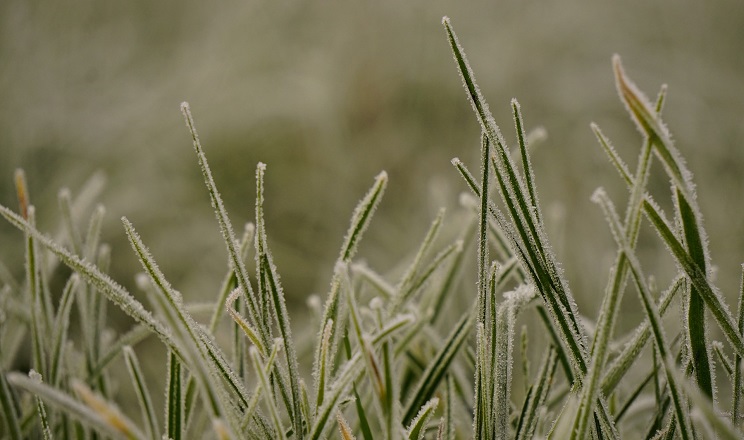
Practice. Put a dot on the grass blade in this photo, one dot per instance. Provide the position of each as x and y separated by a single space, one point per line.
174 406
10 410
143 393
418 425
438 366
697 277
735 416
96 414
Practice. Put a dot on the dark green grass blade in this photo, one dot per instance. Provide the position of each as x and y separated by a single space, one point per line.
438 367
174 404
536 396
697 276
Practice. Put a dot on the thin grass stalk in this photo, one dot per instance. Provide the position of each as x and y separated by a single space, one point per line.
276 295
61 325
438 366
64 200
652 313
632 350
204 359
143 393
407 285
482 391
228 235
536 396
360 220
268 397
735 416
11 412
174 406
697 277
46 431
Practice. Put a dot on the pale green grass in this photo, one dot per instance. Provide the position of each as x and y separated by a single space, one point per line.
429 354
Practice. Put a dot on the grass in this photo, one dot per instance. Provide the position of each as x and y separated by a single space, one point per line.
392 358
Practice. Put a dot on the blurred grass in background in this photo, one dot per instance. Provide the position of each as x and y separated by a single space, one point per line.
330 93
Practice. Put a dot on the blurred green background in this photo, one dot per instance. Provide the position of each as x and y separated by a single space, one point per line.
330 93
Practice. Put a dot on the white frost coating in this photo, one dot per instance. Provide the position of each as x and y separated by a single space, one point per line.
34 375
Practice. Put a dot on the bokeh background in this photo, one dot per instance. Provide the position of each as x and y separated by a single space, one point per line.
330 93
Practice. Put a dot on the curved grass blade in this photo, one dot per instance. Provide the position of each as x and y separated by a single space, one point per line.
418 425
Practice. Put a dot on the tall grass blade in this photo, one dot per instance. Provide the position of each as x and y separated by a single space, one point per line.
697 276
652 313
268 397
205 360
360 220
269 282
228 235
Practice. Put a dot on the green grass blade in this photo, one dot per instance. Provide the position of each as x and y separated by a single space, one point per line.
268 397
705 411
143 393
174 402
653 316
360 220
438 366
362 216
229 281
269 279
407 284
41 410
697 276
632 350
61 326
735 416
204 359
536 396
10 410
696 305
418 425
73 234
228 235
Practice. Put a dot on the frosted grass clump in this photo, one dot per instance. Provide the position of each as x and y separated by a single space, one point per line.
428 354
